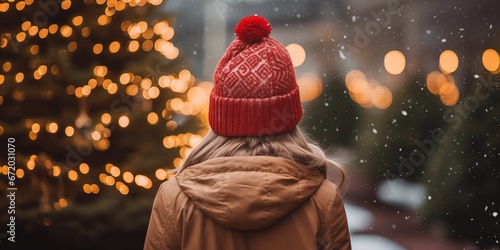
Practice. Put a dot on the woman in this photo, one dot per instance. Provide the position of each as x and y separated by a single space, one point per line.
254 182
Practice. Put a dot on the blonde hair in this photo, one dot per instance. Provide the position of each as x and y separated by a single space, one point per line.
293 145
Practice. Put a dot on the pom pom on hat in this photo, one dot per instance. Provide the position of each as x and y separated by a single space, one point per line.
252 29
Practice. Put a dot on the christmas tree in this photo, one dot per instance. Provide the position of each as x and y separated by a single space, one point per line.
98 110
463 183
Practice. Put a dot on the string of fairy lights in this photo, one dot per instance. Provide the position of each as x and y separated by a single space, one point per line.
370 93
143 37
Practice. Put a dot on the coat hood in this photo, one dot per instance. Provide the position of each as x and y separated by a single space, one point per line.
248 193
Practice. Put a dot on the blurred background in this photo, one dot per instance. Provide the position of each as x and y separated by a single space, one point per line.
102 98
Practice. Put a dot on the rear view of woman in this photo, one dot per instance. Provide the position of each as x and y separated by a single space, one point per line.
255 182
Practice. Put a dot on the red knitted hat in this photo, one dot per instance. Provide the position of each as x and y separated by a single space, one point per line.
255 92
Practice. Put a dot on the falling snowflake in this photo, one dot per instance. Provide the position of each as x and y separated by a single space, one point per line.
341 54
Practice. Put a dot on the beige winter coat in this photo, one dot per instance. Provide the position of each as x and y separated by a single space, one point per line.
248 203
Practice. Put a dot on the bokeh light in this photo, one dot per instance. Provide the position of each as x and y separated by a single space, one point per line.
394 62
297 54
491 61
310 86
448 61
367 92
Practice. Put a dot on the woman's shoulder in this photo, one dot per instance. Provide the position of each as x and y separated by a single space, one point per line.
327 189
169 191
327 197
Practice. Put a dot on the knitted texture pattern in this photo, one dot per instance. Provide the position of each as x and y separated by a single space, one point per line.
255 91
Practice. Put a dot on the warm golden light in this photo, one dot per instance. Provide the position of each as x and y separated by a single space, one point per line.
66 31
108 167
53 28
114 171
20 173
353 75
123 189
73 175
30 165
133 46
69 131
310 86
86 90
5 169
102 177
153 92
33 30
141 180
19 77
109 180
4 7
394 62
125 78
114 47
35 127
367 92
128 177
66 4
381 97
63 202
77 21
97 48
42 69
84 168
449 94
155 2
178 162
448 61
434 82
21 36
103 20
56 171
92 83
161 174
179 86
152 118
52 127
43 33
100 70
26 25
123 121
20 5
32 135
491 61
109 11
184 75
7 66
297 54
358 85
86 188
94 188
106 118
